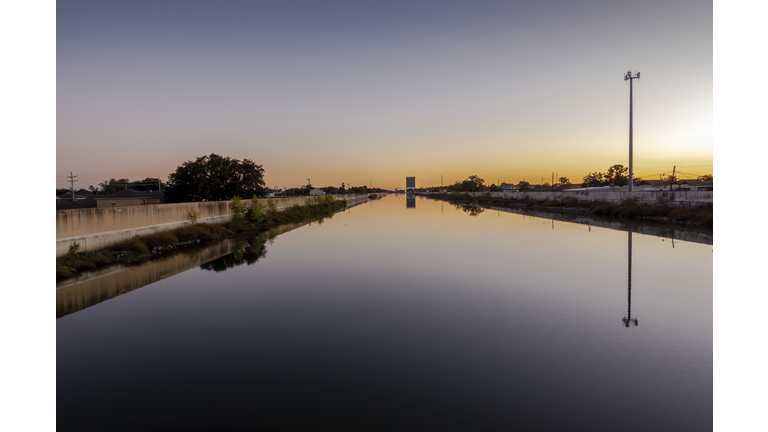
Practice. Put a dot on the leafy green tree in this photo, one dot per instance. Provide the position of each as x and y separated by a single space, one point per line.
214 178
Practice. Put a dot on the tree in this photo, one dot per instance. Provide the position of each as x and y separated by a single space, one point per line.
214 178
148 184
617 175
706 177
593 180
524 185
473 183
564 181
111 186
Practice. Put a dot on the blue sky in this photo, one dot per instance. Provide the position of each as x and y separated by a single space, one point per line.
369 92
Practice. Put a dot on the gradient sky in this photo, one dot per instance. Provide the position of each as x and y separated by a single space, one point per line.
370 91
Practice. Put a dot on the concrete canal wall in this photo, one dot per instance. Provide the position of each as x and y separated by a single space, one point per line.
96 287
679 198
96 228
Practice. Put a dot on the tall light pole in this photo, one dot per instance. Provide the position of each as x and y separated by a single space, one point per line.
628 76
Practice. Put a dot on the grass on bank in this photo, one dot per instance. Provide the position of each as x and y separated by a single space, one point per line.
701 214
246 218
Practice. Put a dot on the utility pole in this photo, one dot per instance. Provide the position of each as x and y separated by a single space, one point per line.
72 186
672 180
628 76
553 182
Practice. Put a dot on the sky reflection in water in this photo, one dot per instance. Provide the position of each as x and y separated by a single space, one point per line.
407 315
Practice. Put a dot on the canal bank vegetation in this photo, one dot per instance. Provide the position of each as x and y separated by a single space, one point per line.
252 218
661 211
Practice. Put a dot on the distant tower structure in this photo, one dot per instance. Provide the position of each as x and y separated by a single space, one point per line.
410 183
628 77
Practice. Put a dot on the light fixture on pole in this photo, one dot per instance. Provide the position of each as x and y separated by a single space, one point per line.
628 76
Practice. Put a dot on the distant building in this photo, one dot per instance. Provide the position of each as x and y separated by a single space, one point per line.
410 183
315 192
129 197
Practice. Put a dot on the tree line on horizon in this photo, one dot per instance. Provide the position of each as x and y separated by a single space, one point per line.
616 175
213 178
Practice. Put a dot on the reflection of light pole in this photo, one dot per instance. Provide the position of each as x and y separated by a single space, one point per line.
628 76
628 319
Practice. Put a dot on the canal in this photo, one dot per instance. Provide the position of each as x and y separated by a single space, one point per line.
401 313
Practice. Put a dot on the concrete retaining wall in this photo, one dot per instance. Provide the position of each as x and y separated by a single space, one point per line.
96 228
93 288
680 198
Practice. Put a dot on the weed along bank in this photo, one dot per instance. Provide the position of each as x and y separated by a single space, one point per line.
97 228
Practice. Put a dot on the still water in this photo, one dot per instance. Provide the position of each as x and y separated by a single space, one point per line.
397 314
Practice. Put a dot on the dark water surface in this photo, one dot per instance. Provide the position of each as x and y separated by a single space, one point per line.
401 314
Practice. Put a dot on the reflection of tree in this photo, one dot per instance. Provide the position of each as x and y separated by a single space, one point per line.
244 251
469 209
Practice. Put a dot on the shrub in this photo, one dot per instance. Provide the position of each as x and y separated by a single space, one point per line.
271 206
630 200
131 245
215 230
603 209
73 248
62 272
329 198
163 238
315 200
193 216
237 208
257 210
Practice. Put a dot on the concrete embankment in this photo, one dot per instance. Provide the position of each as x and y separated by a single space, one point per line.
96 228
692 234
95 287
674 198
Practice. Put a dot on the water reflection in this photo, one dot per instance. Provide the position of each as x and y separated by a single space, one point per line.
392 317
627 320
695 234
244 251
410 201
470 209
97 287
